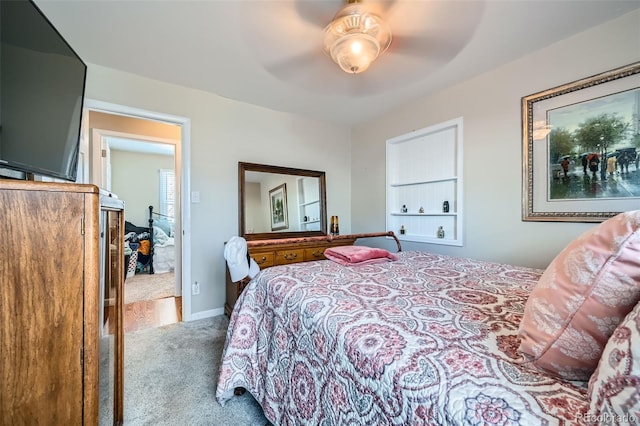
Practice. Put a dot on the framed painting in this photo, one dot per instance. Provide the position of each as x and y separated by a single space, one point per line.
278 203
581 148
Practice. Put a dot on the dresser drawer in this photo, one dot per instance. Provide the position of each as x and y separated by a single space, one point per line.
314 253
289 256
264 259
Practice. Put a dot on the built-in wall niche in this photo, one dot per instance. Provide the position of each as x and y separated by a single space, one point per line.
309 203
424 184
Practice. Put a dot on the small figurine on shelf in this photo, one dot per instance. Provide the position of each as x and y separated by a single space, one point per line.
404 208
445 207
402 230
440 232
421 210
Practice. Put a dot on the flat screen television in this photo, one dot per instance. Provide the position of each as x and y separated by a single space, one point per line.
42 82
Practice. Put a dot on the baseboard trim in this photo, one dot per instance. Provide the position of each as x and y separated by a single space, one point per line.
206 314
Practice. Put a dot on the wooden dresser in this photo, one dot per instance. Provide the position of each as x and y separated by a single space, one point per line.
61 277
268 253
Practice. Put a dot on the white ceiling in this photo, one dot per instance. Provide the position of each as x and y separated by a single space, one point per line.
269 53
140 146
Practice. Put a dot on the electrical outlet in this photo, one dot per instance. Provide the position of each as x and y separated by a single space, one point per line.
195 288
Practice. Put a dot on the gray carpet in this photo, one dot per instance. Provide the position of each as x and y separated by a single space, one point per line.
149 287
171 374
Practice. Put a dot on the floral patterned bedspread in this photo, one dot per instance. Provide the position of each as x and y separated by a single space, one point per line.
425 340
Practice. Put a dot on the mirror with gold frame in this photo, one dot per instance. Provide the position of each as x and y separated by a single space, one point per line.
280 202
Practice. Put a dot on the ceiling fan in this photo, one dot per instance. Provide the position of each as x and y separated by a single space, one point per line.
288 39
355 37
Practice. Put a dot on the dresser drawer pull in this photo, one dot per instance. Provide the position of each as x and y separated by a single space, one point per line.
261 261
318 253
290 256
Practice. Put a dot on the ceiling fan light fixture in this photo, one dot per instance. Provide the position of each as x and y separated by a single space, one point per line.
354 53
355 38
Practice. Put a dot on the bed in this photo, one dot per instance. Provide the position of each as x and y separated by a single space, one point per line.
151 249
426 339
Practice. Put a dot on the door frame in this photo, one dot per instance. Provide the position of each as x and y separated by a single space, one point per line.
98 143
182 159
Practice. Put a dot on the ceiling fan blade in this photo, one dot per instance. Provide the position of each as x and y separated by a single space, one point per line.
380 7
298 66
433 30
308 69
426 47
318 13
321 13
299 69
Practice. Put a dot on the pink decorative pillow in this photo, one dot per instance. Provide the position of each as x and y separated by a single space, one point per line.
614 388
582 297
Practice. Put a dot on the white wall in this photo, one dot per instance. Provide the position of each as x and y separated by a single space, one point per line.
135 179
255 220
224 132
490 105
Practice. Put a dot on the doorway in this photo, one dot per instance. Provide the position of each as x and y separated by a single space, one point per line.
141 171
115 130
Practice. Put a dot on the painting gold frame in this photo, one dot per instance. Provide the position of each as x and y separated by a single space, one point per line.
574 102
278 205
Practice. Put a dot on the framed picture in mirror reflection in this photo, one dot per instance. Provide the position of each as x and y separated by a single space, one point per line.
278 203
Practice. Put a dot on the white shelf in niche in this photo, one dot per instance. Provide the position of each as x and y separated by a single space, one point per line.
423 214
422 182
431 240
308 208
424 169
